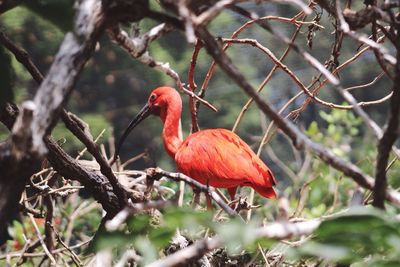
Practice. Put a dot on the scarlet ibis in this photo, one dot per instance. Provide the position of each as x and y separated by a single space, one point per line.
217 157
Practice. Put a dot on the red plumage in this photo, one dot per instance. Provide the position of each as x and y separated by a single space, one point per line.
217 157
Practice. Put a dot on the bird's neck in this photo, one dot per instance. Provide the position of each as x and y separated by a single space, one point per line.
171 119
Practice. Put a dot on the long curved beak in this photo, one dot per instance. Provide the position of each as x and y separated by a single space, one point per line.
143 114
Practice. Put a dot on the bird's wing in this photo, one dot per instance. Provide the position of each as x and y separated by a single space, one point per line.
220 157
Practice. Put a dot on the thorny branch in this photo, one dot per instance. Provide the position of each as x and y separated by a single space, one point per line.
361 38
157 173
192 87
277 231
80 129
69 168
137 48
299 140
42 113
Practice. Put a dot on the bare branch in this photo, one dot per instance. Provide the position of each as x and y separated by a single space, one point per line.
97 184
306 9
41 254
388 138
267 78
300 140
137 48
156 173
187 16
133 208
22 56
277 231
39 235
211 13
53 92
305 55
192 86
368 121
73 123
344 26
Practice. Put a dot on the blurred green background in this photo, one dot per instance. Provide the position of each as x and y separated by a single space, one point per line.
113 86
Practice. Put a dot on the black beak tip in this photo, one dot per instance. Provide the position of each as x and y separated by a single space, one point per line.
143 114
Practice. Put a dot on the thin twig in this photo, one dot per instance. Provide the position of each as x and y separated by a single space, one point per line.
41 254
277 231
192 86
74 257
300 140
139 52
39 235
156 173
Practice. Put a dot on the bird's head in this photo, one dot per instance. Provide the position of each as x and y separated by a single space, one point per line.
158 103
161 99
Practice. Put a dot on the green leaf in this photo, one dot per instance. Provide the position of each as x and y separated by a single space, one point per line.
377 261
16 231
160 237
328 252
237 235
357 228
109 240
360 233
139 223
146 249
327 117
313 129
187 218
232 235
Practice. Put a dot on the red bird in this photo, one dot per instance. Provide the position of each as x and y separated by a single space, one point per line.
217 157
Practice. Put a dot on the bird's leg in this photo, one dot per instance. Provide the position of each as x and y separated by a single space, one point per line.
232 193
209 202
196 197
208 198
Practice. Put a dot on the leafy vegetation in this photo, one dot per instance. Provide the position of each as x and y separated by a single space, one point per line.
113 87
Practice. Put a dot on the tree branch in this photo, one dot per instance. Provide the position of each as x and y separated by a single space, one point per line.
71 121
76 126
22 56
53 92
157 173
388 138
300 140
97 184
137 48
276 231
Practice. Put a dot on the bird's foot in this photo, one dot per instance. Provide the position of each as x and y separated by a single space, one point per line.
209 202
153 174
240 204
196 198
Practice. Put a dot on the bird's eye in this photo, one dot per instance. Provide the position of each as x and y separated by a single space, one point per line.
153 97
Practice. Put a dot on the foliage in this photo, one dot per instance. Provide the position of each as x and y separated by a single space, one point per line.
361 236
113 87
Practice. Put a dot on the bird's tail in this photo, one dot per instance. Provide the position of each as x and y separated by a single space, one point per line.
267 192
